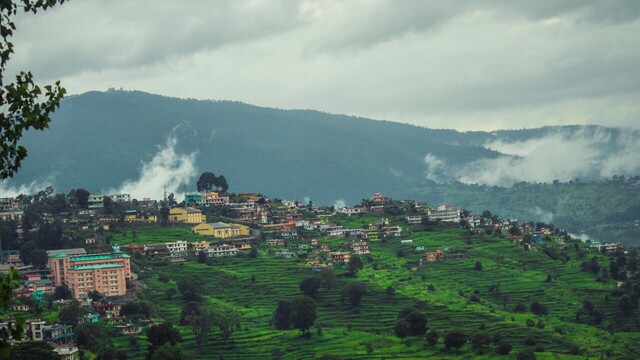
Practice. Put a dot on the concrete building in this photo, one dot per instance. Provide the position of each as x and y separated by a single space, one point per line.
105 273
187 215
221 230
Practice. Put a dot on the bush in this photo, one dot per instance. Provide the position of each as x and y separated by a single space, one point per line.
504 347
526 355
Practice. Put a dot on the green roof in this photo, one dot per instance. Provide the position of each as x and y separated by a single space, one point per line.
98 266
97 257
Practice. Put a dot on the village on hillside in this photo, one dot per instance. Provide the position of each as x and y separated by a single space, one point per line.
79 248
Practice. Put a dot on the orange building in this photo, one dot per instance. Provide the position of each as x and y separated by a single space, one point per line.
105 273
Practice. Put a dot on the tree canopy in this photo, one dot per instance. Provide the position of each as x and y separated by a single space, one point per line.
209 180
24 106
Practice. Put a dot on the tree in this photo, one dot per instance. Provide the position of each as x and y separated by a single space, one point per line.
478 266
355 292
8 283
190 310
355 265
303 313
161 334
33 350
136 310
310 286
70 314
281 318
201 326
62 292
539 308
79 198
208 180
328 278
226 320
526 354
23 106
411 322
455 339
390 291
167 352
191 287
432 338
480 341
504 347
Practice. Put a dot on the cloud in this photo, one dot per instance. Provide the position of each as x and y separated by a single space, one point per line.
467 65
340 204
33 187
166 169
589 153
544 216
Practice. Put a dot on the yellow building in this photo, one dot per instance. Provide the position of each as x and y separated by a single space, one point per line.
221 230
187 215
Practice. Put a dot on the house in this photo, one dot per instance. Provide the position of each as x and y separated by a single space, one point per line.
446 213
200 246
378 198
414 219
223 250
120 198
96 201
221 230
128 329
13 215
340 257
359 247
178 250
435 256
275 242
187 215
285 254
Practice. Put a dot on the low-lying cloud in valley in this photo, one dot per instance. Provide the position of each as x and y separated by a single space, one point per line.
587 153
167 169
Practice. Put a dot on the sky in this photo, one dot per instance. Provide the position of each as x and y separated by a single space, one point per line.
465 65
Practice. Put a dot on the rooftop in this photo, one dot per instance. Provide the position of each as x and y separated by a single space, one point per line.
97 266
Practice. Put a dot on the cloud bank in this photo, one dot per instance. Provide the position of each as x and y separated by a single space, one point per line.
167 169
563 156
468 65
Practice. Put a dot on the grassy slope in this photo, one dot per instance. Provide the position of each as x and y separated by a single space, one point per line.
521 276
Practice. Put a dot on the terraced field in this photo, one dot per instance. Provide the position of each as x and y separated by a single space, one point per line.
509 276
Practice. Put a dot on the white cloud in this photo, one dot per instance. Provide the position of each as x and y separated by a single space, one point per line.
28 189
562 156
167 169
340 204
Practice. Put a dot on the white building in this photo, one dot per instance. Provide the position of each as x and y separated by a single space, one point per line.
445 212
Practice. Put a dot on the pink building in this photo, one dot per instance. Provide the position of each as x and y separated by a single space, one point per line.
105 273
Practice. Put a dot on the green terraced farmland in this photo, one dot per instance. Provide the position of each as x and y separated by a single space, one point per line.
452 294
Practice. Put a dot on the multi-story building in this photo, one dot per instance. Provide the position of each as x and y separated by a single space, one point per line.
445 212
121 198
96 201
221 230
221 251
105 273
187 215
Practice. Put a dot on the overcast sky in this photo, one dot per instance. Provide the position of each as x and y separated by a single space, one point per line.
467 65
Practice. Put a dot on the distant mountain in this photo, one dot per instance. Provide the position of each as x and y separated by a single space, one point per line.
101 140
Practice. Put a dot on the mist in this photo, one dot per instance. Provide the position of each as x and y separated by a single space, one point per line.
559 155
167 169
